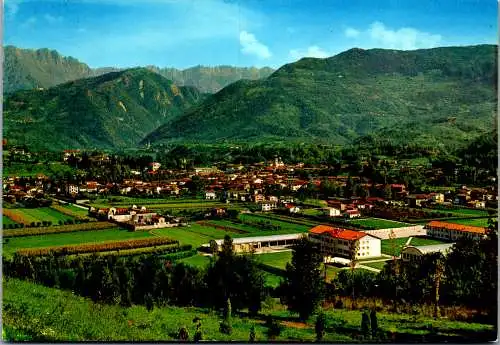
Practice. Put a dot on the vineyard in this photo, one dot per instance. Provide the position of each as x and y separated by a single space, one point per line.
57 230
170 251
98 247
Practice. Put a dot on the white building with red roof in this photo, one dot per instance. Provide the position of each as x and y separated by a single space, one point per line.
452 232
338 242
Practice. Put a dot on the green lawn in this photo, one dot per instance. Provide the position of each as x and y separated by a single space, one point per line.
397 243
6 220
422 241
70 318
378 223
196 260
12 244
378 265
474 222
312 212
278 260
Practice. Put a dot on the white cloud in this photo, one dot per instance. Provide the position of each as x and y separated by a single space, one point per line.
404 38
251 46
351 32
51 19
11 8
380 36
312 51
29 22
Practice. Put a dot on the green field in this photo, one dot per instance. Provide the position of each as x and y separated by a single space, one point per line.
398 243
474 222
6 220
77 211
16 243
422 241
378 223
277 260
460 212
41 214
196 260
289 227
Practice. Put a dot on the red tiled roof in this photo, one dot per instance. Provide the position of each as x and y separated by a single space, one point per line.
459 227
342 234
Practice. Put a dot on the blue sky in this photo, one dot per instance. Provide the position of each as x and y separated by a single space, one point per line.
184 33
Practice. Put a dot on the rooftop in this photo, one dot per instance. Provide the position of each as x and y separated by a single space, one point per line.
453 226
338 232
433 248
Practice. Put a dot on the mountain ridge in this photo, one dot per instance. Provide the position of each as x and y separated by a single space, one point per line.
26 69
359 92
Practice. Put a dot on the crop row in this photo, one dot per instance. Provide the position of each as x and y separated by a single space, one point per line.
168 249
97 247
16 217
57 229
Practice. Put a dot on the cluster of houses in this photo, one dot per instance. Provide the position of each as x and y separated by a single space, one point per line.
135 218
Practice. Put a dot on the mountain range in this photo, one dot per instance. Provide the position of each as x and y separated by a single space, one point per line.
441 97
26 69
434 97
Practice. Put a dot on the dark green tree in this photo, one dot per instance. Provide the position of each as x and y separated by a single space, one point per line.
303 288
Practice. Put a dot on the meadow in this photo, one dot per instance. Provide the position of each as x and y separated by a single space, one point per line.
67 317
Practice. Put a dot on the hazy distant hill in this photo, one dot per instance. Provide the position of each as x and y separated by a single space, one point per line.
109 111
212 79
431 96
27 69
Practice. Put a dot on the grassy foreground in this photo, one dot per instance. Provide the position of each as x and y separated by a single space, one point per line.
37 313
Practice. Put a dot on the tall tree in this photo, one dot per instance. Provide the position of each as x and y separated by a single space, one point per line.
303 288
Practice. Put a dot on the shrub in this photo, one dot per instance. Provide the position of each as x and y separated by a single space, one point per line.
365 324
183 334
320 326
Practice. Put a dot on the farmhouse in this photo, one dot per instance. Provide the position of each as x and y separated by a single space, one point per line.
412 253
453 232
332 211
352 214
340 242
259 243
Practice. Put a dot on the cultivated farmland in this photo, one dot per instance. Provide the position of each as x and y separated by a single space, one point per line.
13 244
